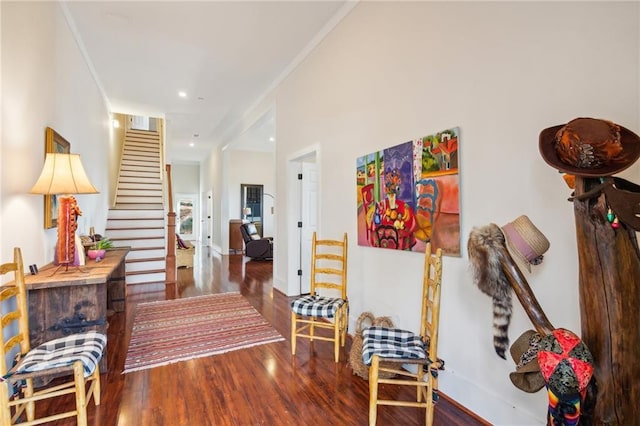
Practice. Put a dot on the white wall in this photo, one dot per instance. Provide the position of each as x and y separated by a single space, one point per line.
502 72
46 82
210 180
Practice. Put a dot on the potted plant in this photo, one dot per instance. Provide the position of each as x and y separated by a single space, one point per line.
99 248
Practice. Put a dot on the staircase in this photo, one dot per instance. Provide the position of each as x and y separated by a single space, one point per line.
138 218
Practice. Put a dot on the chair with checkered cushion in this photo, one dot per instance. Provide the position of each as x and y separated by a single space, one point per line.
329 310
389 349
77 355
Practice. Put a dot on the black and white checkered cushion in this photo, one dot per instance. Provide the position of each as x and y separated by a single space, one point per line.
86 347
317 306
391 343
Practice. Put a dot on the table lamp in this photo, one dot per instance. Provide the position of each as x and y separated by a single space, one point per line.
246 211
63 175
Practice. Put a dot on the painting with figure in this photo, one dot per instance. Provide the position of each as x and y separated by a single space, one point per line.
408 195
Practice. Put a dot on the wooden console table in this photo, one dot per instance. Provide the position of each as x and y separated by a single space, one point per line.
76 300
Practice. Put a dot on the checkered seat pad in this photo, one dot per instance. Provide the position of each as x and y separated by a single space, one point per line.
86 347
391 343
317 306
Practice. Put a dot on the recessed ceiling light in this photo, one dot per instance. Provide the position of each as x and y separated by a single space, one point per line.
192 144
182 94
272 139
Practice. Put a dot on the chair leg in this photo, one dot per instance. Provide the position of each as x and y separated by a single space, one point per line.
420 378
81 397
293 333
344 325
373 390
5 411
30 407
336 336
96 386
428 418
433 387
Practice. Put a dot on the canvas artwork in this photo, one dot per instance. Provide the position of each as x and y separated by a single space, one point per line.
409 195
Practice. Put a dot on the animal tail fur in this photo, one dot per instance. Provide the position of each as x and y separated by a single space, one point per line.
488 275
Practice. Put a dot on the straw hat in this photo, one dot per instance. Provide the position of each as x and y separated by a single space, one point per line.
524 353
525 243
589 147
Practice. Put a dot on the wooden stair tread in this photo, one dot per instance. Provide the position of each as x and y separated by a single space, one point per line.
135 228
146 259
146 248
135 238
149 271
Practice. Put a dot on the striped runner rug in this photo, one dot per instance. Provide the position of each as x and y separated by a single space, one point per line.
170 331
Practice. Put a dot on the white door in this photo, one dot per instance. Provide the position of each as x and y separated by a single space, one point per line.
309 218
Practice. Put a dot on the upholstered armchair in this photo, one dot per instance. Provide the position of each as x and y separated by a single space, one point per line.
256 246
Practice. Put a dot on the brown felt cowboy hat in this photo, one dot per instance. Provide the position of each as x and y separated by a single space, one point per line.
589 147
524 352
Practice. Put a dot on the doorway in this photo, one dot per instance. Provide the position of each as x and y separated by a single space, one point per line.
304 187
251 204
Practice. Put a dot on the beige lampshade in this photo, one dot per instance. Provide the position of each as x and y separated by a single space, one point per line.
63 174
247 211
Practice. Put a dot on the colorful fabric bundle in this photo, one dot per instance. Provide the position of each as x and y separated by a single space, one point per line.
567 367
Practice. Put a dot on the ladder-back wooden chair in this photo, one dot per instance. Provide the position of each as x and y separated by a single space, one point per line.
327 306
395 347
77 355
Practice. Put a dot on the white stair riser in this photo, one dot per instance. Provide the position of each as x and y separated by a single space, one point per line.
140 185
140 154
138 163
132 223
139 180
139 172
135 233
131 168
143 278
136 214
145 254
152 242
123 199
140 192
145 266
138 206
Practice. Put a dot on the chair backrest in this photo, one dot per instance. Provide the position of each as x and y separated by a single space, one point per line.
432 281
14 328
249 232
329 265
427 198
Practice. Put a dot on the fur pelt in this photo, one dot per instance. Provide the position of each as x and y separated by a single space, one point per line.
490 279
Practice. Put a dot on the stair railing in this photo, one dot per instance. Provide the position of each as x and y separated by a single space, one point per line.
171 271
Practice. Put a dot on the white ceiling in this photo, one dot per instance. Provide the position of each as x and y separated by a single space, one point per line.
225 55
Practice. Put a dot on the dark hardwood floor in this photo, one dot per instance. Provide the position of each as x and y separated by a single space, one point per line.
263 385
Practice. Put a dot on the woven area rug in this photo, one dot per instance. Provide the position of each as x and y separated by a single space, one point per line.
170 331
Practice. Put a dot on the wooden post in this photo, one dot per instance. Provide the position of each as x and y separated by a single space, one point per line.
170 268
609 290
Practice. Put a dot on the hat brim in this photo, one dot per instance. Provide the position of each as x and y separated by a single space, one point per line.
528 378
630 147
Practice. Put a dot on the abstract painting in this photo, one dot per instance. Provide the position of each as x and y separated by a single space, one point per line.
409 195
